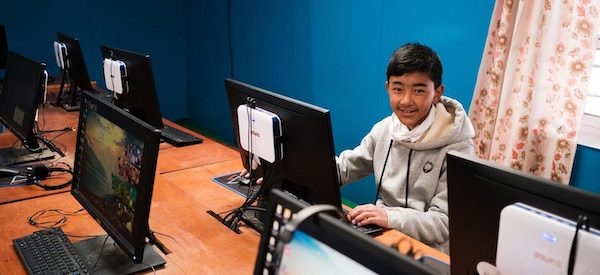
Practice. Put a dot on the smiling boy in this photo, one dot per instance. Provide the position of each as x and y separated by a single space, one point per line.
407 150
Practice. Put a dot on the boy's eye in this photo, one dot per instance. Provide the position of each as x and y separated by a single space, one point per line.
397 89
418 91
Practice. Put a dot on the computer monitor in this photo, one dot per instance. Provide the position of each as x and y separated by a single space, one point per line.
307 168
76 70
324 245
478 190
115 163
19 100
3 47
139 96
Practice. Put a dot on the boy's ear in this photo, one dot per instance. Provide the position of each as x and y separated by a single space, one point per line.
438 93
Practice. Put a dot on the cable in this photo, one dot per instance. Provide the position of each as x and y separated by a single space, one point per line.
64 216
407 178
153 270
581 221
99 255
382 172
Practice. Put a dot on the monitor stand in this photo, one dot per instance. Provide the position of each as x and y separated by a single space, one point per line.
113 260
70 102
19 155
251 217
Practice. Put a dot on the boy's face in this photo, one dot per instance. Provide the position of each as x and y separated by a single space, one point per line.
411 96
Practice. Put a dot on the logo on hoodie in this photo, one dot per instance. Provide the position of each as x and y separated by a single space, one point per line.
428 167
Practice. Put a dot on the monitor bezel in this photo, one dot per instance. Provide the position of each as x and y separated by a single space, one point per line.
3 47
478 190
339 236
135 245
26 132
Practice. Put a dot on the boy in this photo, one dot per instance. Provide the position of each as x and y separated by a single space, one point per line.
407 150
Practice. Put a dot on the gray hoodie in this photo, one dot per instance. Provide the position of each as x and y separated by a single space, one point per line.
426 216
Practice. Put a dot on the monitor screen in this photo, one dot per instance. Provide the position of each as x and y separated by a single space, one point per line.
307 169
478 191
141 98
78 73
115 162
3 47
324 245
19 100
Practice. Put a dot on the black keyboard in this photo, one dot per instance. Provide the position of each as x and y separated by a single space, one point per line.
369 229
49 251
178 137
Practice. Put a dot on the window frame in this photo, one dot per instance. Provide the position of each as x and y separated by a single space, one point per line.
589 128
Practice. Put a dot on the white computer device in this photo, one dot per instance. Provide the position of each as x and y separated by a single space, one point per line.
60 53
532 241
115 76
260 132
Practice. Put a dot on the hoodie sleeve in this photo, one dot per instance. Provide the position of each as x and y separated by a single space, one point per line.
357 163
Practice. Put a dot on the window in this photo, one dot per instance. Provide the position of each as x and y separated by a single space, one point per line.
589 132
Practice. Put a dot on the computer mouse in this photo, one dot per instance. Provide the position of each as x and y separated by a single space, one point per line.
8 172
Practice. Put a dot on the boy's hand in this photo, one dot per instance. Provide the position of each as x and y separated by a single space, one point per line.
368 214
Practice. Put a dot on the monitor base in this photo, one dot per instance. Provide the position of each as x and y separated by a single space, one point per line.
19 155
113 260
71 107
251 217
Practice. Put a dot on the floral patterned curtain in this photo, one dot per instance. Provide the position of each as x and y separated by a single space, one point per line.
532 84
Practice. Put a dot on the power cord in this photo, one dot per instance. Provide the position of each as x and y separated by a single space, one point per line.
40 220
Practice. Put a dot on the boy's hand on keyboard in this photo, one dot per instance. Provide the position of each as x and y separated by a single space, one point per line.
368 214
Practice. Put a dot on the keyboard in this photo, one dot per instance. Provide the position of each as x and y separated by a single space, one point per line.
49 251
369 229
177 137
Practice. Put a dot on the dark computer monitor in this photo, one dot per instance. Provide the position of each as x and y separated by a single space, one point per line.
19 100
3 47
322 244
307 169
115 163
76 70
140 97
478 190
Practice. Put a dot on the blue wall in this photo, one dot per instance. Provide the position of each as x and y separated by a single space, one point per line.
158 30
584 174
332 54
329 53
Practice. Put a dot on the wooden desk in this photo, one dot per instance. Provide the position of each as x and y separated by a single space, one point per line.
50 118
183 193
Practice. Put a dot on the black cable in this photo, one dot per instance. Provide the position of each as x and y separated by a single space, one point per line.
168 236
382 171
99 255
66 129
407 178
581 221
64 216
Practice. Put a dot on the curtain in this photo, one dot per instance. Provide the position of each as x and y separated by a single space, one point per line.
532 83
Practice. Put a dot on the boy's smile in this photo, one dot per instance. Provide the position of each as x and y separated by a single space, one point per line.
411 96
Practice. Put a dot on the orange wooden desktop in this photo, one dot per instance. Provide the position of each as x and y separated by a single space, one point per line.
183 193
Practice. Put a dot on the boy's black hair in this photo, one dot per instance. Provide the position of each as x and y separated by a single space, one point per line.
414 57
